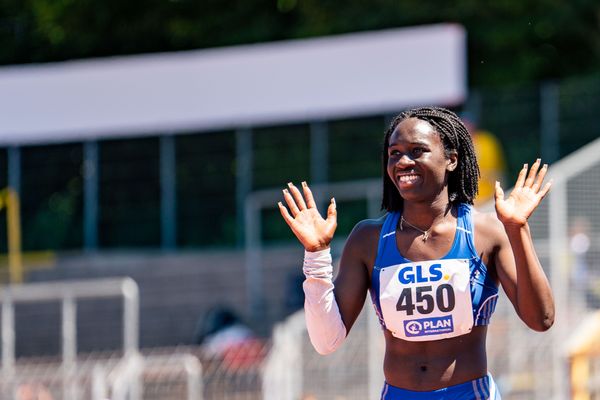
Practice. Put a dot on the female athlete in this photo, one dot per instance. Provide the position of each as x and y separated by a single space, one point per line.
432 264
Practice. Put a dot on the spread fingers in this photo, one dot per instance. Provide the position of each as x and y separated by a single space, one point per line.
285 214
521 177
297 196
532 173
290 202
310 200
540 178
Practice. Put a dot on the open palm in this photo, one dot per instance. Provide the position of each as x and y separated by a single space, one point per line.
303 218
525 196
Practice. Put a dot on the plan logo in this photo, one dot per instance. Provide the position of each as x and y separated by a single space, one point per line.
413 328
428 326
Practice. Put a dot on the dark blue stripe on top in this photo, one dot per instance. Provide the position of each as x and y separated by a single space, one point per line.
477 389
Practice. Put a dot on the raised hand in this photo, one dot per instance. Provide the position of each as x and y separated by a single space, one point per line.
314 232
525 196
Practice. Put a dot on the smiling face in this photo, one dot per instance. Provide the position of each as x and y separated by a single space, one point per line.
418 164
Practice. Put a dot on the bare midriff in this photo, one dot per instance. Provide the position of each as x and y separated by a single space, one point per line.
431 365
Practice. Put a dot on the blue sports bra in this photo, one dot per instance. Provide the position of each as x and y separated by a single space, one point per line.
432 299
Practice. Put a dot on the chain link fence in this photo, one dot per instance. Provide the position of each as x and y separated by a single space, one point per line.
141 203
525 364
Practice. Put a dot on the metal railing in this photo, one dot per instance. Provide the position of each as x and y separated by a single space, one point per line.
67 293
126 375
168 375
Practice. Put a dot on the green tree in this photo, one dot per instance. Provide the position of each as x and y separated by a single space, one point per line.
509 41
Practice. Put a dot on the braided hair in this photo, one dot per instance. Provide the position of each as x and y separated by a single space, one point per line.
463 181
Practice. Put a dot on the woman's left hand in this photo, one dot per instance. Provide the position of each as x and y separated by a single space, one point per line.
525 196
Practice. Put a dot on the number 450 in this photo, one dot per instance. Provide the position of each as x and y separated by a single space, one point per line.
424 302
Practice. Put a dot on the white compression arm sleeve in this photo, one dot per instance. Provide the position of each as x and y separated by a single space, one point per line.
323 320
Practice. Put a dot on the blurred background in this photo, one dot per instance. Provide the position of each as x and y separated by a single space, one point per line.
144 146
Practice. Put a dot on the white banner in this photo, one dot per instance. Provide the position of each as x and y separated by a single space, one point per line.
280 82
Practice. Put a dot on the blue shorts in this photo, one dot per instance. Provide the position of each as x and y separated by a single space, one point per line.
478 389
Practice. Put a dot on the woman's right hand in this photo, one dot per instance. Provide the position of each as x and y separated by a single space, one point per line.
314 232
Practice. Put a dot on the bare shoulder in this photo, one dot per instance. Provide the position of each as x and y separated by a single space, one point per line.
364 238
366 231
488 226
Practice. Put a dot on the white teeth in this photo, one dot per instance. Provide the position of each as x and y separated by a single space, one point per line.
408 178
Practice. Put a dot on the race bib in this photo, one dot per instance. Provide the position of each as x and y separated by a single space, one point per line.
426 300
